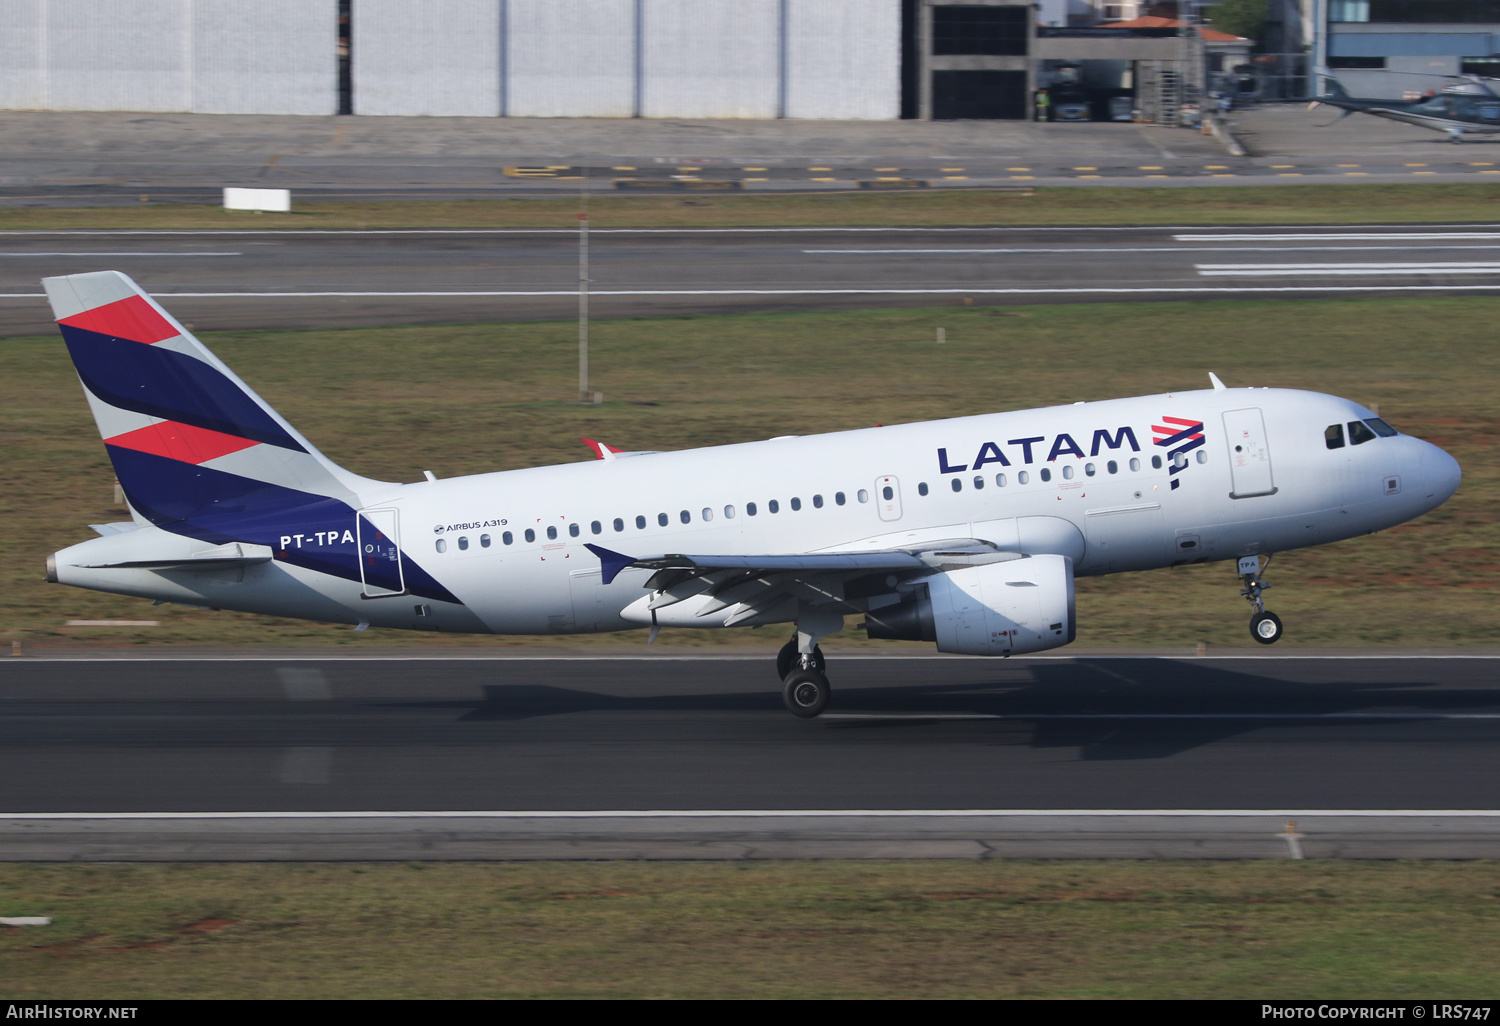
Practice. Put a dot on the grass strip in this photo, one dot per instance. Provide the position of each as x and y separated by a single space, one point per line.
464 399
1237 205
1068 929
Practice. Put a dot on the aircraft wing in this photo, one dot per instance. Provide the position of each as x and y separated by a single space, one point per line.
742 588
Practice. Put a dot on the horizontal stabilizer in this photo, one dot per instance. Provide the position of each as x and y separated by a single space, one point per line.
222 557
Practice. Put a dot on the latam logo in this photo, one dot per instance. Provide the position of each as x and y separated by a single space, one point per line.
1032 447
1179 436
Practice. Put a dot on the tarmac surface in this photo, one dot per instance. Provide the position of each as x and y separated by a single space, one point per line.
81 159
248 280
665 757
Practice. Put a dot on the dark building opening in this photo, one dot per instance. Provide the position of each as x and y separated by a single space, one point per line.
346 64
979 94
911 62
986 31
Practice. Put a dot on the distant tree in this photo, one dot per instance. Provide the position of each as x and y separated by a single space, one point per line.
1238 17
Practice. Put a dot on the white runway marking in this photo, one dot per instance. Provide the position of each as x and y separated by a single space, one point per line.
1283 270
124 254
1411 236
1142 249
597 293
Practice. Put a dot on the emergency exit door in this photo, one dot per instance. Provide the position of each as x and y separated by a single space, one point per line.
378 531
1249 454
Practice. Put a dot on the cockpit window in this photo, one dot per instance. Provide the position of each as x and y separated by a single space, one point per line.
1382 429
1359 434
1334 436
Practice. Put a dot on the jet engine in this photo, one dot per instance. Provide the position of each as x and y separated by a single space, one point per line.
1021 605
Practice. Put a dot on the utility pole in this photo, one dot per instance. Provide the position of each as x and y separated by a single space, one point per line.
583 295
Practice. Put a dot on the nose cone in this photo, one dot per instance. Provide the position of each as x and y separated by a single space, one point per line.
1441 474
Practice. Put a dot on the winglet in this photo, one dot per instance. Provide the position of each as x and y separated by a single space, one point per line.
601 450
612 562
1218 385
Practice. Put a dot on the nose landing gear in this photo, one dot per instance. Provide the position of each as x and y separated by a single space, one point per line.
1265 627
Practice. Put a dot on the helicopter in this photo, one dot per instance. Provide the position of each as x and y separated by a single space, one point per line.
1466 106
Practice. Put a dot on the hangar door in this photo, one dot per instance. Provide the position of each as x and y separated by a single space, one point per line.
992 95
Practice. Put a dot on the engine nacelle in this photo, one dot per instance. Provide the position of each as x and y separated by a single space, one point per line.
1022 605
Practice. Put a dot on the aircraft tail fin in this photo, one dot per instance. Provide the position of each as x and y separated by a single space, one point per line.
1332 90
188 438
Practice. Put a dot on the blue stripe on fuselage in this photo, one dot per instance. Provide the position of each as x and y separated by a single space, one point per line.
218 507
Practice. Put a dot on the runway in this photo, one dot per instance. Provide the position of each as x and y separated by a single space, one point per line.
249 279
661 757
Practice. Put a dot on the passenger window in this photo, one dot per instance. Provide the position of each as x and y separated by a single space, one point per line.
1088 470
773 506
463 544
796 503
1180 460
484 541
1156 463
838 498
1022 477
442 546
685 517
1333 436
573 530
708 514
889 493
862 495
1359 433
640 523
1202 456
728 512
507 537
1112 467
1135 464
530 535
921 489
662 519
1068 473
552 534
999 480
618 525
957 485
1045 473
1382 429
750 509
817 502
978 481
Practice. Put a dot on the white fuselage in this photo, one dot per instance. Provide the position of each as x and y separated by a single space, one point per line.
1274 485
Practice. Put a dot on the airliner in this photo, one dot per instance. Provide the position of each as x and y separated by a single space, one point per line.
967 532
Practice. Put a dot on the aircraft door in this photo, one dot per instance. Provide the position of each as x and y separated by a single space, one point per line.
587 589
378 531
1249 454
888 498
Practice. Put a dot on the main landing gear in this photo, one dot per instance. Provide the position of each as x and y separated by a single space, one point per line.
800 662
1265 626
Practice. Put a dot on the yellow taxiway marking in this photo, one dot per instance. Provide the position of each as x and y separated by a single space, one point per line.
1085 169
1346 165
888 178
1216 167
754 169
956 178
1424 172
1490 172
1289 174
953 169
1023 176
1356 172
622 169
894 169
1152 167
757 179
1018 169
1481 163
1090 176
1230 175
1415 165
820 169
1283 165
1158 176
825 179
